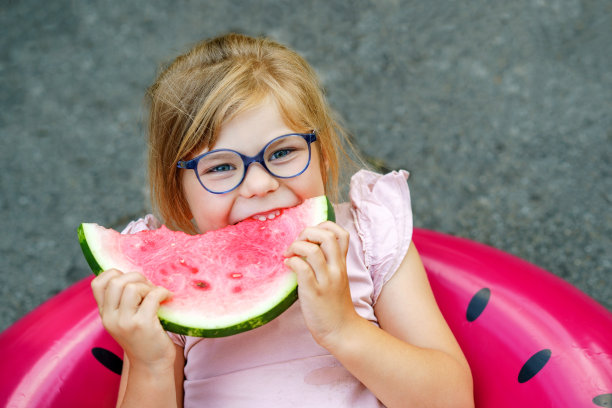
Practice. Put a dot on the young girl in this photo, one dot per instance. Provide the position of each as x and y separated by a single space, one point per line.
366 329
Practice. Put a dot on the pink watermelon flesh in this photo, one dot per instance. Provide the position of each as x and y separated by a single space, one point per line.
223 282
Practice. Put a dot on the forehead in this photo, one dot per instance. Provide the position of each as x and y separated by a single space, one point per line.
252 128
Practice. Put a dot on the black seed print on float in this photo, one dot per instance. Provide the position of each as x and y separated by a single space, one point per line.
478 304
108 359
603 400
534 365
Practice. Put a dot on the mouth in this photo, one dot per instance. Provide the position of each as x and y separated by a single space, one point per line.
270 215
261 212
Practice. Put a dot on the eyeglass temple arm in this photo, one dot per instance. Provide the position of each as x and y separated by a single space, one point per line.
185 164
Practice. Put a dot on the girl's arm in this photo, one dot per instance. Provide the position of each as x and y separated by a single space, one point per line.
413 359
140 385
128 306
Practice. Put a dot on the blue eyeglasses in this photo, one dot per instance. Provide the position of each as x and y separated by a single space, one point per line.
223 170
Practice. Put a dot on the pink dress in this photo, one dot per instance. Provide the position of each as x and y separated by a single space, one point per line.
279 364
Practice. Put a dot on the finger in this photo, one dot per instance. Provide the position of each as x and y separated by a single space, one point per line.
305 275
115 287
133 295
313 255
151 302
342 235
100 282
327 242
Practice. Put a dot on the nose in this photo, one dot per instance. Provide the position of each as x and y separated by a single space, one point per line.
257 182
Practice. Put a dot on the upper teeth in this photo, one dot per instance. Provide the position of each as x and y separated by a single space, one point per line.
269 216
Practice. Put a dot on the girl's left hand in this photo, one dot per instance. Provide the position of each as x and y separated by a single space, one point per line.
318 257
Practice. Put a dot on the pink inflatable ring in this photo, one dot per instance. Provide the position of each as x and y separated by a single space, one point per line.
531 338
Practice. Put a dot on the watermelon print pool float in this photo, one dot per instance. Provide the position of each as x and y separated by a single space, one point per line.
223 282
532 340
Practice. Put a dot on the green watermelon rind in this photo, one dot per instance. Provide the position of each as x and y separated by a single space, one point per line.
246 325
89 256
169 324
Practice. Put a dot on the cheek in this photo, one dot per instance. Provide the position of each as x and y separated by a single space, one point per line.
190 191
319 172
195 195
206 217
209 211
310 183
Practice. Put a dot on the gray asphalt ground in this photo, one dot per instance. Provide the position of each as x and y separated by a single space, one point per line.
501 110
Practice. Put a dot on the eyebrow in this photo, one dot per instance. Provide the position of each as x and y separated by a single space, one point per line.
291 132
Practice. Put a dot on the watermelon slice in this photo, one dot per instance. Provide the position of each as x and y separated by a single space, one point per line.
224 282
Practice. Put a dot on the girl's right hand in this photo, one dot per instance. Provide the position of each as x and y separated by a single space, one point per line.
128 305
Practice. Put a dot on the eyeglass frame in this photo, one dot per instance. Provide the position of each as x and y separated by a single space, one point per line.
248 160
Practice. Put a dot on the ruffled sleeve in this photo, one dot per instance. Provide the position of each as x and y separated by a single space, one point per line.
383 220
149 222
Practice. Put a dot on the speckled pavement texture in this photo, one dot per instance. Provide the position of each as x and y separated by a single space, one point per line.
502 112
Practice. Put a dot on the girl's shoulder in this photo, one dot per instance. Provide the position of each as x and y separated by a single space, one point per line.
370 190
381 205
381 216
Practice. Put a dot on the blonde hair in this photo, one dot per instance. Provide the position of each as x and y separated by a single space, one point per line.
216 80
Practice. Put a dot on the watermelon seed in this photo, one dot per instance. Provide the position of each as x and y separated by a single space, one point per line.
236 275
191 269
201 284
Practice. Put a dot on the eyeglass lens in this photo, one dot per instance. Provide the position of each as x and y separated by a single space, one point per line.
223 170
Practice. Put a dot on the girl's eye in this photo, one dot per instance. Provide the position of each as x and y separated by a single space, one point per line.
279 154
220 168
